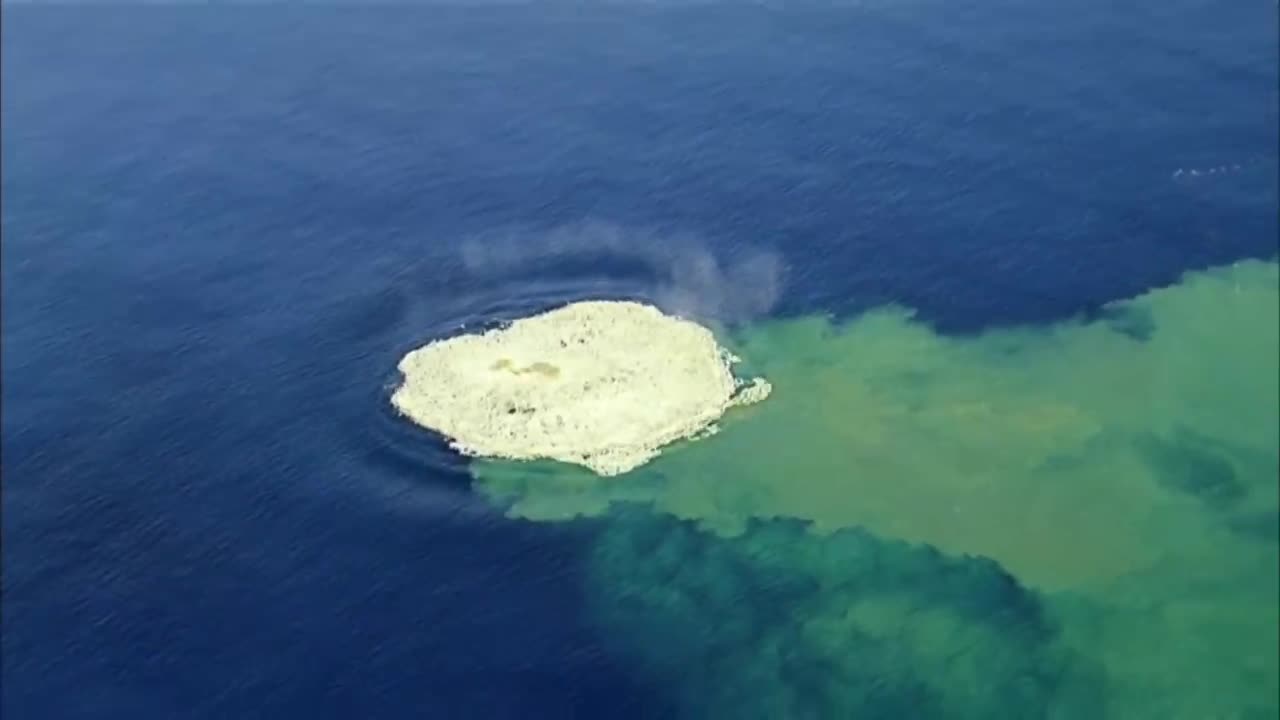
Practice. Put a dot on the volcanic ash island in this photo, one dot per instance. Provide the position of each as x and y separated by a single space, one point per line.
604 384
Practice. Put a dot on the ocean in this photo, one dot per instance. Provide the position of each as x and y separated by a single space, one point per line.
1010 265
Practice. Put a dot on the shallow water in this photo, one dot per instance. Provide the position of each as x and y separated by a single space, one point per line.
1011 267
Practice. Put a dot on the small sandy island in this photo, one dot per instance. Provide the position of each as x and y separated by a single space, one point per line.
604 384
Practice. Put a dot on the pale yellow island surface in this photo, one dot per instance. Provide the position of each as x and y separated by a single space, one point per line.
603 384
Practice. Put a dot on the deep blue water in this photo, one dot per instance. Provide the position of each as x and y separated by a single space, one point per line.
222 226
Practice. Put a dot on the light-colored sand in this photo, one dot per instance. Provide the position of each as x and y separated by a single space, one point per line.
603 384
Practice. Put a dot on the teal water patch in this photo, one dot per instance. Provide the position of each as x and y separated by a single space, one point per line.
779 623
1120 472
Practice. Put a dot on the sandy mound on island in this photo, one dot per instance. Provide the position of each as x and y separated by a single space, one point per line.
603 384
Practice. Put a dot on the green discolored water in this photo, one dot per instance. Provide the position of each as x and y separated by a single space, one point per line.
1070 521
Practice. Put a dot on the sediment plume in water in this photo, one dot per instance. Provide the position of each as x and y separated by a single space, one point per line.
780 623
1121 470
602 384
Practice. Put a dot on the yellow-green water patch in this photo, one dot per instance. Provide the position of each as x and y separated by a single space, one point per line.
1072 454
1123 469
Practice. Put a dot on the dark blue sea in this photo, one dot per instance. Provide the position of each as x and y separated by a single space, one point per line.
224 224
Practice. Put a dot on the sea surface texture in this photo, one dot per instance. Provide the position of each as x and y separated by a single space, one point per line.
1010 265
